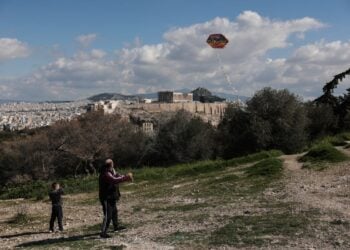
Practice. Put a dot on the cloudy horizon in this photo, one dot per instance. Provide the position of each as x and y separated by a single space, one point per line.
263 51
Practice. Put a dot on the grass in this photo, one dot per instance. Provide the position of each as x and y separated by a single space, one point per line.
39 189
20 218
281 224
182 207
324 153
244 183
259 230
199 168
224 206
270 167
180 237
335 140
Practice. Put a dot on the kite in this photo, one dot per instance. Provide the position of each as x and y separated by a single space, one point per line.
217 41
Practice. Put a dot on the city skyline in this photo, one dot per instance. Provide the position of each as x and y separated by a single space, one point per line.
68 50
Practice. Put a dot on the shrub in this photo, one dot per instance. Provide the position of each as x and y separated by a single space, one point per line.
324 152
21 217
336 140
39 189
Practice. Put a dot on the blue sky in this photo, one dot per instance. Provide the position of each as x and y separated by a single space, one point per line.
45 34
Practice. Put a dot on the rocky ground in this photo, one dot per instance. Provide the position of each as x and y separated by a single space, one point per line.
304 209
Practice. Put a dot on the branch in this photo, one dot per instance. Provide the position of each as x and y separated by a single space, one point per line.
329 86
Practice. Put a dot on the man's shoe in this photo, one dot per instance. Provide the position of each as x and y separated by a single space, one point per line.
104 235
119 228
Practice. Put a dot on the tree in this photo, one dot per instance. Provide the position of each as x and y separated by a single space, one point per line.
278 120
340 105
273 119
235 135
93 137
182 138
322 120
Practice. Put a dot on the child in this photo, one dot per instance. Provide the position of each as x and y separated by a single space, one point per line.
56 212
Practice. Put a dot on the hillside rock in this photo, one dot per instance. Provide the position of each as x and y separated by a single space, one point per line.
204 95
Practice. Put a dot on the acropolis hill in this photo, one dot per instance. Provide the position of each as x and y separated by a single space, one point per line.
146 113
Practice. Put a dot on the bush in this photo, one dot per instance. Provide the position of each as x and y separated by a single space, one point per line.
21 217
40 189
345 136
324 153
337 140
278 120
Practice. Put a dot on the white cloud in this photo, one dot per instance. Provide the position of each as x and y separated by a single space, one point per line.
184 60
11 48
86 40
335 52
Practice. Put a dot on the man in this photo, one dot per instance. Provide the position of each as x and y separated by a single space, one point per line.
109 195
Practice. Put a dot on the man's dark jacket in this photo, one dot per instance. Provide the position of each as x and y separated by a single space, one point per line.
108 185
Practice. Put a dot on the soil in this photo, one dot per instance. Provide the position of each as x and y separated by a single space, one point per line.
326 191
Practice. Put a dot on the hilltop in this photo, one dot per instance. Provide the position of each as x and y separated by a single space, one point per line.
213 96
265 200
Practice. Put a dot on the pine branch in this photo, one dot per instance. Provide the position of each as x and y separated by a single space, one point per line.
330 86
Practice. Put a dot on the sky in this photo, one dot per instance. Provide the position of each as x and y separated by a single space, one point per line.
67 50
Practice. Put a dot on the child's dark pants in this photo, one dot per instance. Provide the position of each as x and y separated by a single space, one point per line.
56 213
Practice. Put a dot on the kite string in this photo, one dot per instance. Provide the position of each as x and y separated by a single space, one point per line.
228 79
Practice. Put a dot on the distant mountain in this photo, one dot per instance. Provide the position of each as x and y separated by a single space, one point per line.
148 96
113 96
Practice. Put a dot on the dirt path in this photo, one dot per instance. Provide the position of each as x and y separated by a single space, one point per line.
344 150
327 193
291 161
327 190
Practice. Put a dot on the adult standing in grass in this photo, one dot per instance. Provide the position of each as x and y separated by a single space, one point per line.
109 195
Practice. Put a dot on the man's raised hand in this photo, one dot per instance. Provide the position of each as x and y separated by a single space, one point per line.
131 176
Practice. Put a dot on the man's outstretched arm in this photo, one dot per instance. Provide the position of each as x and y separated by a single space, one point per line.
110 178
